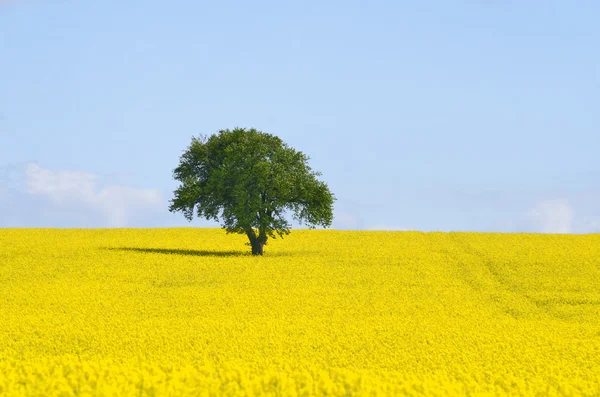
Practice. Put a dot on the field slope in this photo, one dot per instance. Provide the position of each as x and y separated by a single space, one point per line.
143 312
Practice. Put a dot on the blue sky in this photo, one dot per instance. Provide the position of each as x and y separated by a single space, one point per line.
466 115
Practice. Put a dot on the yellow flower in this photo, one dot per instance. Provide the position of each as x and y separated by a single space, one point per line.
175 312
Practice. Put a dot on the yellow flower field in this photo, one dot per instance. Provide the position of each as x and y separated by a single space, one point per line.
170 312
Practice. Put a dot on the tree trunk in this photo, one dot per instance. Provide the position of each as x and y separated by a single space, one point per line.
257 242
257 248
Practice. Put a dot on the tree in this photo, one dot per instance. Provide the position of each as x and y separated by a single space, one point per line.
249 180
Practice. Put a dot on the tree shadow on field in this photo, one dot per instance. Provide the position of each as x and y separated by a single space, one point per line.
175 251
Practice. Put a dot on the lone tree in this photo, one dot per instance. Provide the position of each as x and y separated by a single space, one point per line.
250 179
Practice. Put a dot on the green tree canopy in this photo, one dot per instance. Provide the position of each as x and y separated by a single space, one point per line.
249 180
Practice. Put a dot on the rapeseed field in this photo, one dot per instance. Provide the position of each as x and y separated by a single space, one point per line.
171 312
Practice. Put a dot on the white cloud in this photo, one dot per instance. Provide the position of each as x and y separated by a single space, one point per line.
83 191
61 187
552 216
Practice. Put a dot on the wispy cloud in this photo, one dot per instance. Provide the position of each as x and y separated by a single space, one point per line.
552 216
79 196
